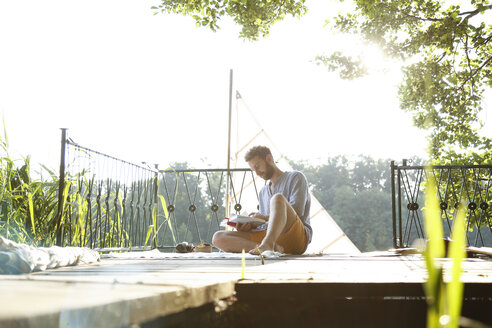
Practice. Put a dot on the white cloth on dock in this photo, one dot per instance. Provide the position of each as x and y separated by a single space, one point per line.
156 254
21 258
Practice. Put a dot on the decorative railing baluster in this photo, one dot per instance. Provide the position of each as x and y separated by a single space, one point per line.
214 206
88 216
195 200
116 217
123 240
457 185
99 216
131 227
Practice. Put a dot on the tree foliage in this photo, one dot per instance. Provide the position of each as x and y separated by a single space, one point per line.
446 47
255 17
447 50
357 194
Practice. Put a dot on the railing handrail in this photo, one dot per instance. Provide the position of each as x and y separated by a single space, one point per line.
74 144
439 167
204 170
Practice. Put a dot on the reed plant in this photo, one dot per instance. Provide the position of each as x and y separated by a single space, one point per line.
29 202
96 210
444 293
28 205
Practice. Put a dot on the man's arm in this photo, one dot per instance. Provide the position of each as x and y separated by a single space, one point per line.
299 191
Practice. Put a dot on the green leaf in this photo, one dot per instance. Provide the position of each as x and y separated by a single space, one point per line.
435 249
149 231
432 222
457 253
154 221
166 214
5 135
31 212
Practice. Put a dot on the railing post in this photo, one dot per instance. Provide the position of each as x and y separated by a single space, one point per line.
229 145
400 229
393 204
61 188
156 200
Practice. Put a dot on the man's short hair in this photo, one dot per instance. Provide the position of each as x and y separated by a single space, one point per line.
260 151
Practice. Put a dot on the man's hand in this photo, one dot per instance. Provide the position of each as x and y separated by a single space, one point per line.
250 226
245 227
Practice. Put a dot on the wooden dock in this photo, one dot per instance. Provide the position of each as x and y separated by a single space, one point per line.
141 292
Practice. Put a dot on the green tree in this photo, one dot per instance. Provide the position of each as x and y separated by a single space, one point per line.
446 48
255 17
357 194
365 217
327 178
370 174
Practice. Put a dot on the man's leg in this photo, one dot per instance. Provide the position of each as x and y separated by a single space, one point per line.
233 241
282 217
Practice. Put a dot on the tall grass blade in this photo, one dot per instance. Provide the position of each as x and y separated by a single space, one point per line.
154 221
5 136
435 249
457 253
166 213
31 212
149 231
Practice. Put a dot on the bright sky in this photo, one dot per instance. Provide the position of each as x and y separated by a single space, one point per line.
155 88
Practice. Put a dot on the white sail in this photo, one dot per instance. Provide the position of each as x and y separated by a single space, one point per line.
328 237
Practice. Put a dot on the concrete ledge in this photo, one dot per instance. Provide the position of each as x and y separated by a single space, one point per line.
29 303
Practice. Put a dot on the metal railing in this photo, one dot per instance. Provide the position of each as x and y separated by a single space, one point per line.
457 185
196 201
108 203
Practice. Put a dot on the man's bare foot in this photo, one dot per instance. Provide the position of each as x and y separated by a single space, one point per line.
262 248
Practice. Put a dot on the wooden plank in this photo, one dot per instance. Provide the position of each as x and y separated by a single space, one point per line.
128 291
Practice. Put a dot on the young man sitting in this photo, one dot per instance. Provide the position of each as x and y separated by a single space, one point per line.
284 204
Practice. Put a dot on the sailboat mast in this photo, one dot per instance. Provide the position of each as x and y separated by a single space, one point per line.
229 146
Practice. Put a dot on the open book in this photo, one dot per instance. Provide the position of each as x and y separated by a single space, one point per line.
236 218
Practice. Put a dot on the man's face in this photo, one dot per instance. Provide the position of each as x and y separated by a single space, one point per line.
262 167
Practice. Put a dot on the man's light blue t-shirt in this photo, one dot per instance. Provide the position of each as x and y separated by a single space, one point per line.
294 187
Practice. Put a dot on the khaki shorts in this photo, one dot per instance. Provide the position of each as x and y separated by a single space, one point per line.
293 241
